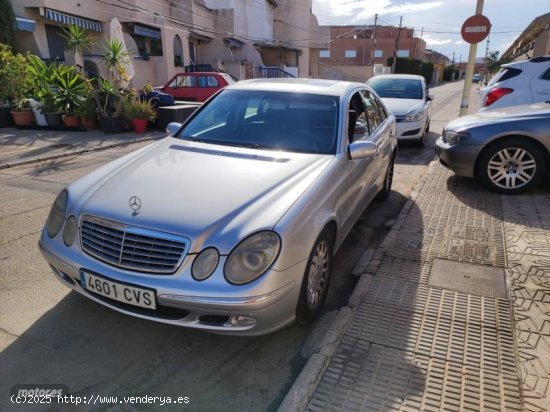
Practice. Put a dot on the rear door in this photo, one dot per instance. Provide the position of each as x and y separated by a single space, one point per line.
207 85
540 85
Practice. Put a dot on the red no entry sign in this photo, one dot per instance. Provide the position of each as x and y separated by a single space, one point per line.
475 29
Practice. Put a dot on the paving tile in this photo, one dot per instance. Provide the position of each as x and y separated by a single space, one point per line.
379 378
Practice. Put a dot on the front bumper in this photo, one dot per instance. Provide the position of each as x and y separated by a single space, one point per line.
246 315
460 158
410 130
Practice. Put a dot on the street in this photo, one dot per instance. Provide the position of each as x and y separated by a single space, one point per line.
51 335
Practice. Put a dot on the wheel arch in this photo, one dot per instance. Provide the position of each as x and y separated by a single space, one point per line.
511 137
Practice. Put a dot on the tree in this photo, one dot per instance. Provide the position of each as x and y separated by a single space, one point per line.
493 63
77 41
7 23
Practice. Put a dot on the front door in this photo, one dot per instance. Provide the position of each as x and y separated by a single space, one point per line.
182 87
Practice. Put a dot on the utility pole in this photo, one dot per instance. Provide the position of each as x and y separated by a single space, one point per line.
465 102
396 46
453 66
374 42
421 47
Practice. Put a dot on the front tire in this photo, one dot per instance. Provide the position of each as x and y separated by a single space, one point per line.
511 166
384 194
316 279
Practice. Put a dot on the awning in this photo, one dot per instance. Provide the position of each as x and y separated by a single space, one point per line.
197 36
232 42
25 24
147 32
279 45
68 19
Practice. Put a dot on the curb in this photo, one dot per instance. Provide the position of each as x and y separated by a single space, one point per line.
305 383
75 153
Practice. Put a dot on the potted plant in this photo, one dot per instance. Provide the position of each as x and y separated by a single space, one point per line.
15 83
22 113
88 113
70 92
49 110
44 82
139 112
109 104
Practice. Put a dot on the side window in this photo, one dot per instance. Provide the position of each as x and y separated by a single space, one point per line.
358 123
212 81
183 81
373 113
546 75
208 81
381 108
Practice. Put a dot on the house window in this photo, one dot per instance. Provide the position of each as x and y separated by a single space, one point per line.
402 53
350 53
324 53
378 53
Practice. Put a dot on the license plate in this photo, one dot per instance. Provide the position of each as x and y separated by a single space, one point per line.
131 295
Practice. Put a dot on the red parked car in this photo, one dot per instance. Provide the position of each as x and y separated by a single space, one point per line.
196 86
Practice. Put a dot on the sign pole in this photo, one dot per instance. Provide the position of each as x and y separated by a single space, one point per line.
464 104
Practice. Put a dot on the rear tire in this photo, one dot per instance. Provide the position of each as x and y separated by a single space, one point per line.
316 279
511 166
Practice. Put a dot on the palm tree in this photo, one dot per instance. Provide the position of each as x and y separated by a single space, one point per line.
115 58
77 41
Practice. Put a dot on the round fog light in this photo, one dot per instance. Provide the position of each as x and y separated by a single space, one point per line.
69 233
205 263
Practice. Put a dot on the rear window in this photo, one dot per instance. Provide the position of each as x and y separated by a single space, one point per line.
504 74
228 78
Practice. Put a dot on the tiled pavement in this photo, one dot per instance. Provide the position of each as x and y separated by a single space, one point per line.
457 315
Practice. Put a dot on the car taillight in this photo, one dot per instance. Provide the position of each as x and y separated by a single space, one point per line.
496 94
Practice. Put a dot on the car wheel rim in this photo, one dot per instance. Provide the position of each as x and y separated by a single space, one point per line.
511 168
317 277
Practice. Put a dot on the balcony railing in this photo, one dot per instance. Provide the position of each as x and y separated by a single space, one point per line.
274 72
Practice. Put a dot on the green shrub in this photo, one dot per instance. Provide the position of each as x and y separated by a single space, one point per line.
15 80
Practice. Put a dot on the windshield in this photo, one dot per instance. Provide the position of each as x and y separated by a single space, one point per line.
397 88
296 122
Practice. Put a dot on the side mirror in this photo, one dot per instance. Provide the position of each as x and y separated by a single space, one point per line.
173 128
430 97
362 149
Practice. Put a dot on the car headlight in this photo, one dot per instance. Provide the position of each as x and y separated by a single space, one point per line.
454 138
57 214
252 257
413 116
205 263
69 231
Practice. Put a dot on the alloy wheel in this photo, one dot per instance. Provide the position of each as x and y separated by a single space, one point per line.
511 168
318 274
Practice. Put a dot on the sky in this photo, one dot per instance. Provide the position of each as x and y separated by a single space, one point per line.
440 19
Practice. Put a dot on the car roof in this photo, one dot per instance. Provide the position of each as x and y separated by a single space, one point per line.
538 59
315 86
398 76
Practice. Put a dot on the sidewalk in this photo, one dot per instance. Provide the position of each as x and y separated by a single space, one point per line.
19 146
452 312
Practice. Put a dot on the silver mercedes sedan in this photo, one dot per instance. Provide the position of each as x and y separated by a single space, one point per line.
229 224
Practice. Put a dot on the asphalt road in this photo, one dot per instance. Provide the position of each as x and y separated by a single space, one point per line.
51 335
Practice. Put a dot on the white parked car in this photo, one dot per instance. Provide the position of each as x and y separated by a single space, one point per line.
407 97
518 83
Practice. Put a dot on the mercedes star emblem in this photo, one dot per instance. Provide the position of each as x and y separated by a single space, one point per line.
135 204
